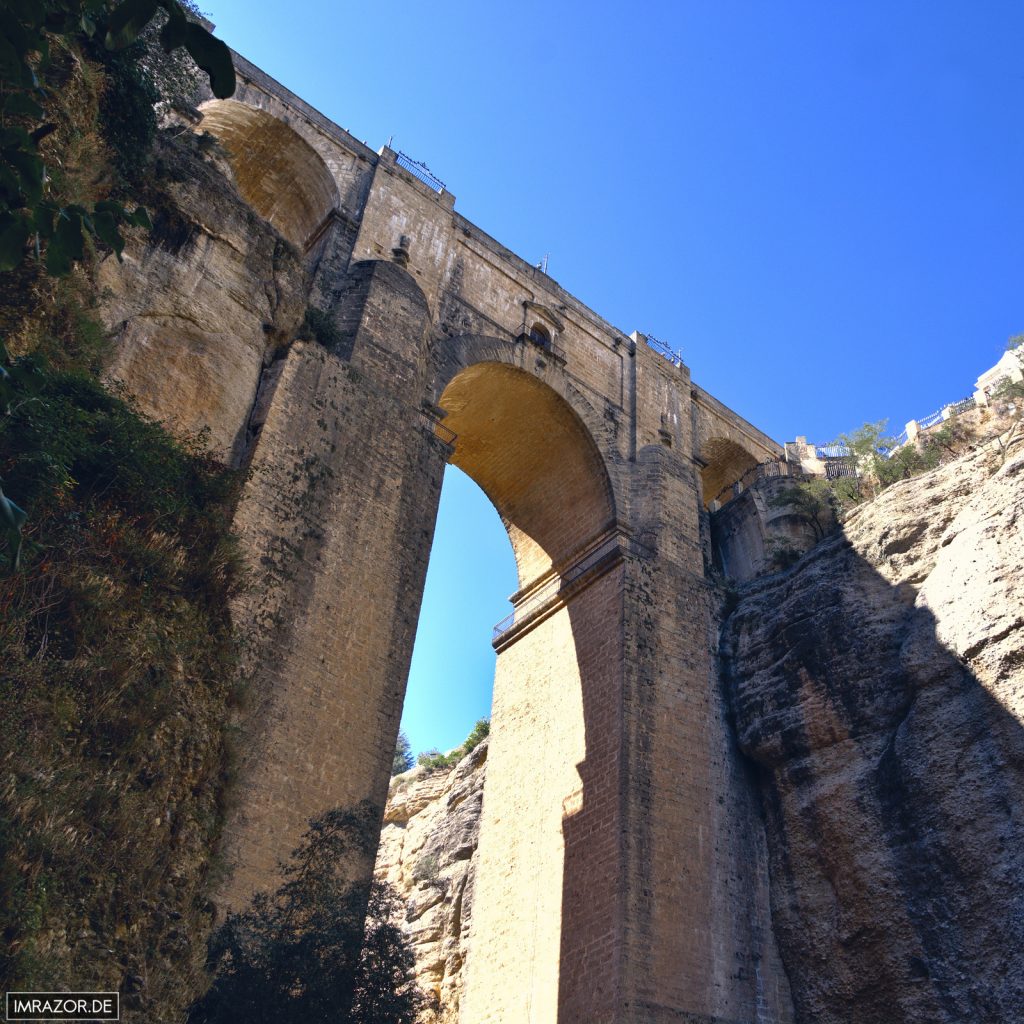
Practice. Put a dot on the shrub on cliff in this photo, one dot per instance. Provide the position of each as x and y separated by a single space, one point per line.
880 463
434 759
301 953
811 502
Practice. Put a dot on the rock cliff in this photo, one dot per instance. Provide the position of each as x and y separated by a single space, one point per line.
427 852
878 687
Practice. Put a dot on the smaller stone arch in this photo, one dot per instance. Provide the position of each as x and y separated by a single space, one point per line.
279 174
723 463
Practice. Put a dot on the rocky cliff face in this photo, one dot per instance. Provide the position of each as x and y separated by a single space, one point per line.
427 852
878 686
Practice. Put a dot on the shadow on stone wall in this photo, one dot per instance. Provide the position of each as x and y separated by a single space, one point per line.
892 783
593 891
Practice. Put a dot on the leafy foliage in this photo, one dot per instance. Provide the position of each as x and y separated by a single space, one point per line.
322 327
116 678
434 759
127 116
300 954
28 209
1009 397
403 759
385 989
810 501
64 438
880 462
949 441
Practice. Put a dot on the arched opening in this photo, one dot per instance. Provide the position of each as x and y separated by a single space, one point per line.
532 456
279 174
725 462
471 573
550 801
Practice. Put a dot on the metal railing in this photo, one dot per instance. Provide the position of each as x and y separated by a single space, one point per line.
557 583
762 471
674 356
955 408
440 431
845 466
421 171
832 450
948 410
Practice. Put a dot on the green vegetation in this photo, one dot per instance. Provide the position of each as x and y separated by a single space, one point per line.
403 759
117 668
115 561
301 954
810 501
323 330
434 759
39 38
880 464
821 503
1009 397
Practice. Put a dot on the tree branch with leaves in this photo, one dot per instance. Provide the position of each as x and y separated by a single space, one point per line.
31 219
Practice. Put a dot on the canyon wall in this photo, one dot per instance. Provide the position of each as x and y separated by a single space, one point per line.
878 688
203 302
427 852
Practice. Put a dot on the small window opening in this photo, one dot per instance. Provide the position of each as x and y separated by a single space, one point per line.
540 335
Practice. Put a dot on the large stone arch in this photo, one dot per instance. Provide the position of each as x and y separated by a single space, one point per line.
534 445
548 463
279 174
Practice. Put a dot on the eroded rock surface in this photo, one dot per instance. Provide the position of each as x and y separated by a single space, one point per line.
199 303
427 852
879 688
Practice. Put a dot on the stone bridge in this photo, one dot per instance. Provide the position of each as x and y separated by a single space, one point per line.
622 871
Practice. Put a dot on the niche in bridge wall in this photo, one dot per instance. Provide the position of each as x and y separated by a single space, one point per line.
278 173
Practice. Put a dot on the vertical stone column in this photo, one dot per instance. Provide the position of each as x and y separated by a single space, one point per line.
336 521
547 928
698 941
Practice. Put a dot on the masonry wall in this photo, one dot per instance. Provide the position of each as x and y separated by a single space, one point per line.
336 522
546 938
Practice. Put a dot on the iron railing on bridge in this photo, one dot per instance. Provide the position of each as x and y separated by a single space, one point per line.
554 585
926 422
674 356
420 170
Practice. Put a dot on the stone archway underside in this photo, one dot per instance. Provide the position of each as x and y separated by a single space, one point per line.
278 173
528 451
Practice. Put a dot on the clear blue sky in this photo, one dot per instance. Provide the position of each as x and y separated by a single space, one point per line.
821 204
